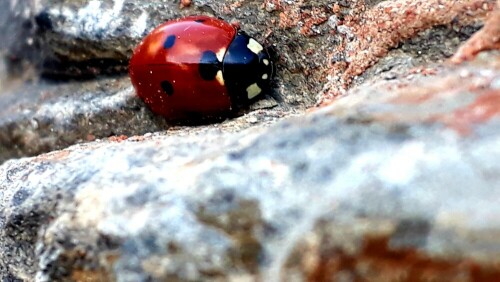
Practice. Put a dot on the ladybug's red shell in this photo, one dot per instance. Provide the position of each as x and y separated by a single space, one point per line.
178 69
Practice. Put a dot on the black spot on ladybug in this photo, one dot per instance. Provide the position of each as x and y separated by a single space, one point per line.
209 65
167 87
169 42
199 20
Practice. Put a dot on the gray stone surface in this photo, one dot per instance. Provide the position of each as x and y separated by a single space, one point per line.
213 205
42 117
63 39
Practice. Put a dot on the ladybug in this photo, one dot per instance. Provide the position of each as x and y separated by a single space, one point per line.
199 67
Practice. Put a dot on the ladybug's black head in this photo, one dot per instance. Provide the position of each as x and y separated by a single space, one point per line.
247 69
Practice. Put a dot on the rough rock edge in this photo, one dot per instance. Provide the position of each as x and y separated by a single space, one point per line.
388 23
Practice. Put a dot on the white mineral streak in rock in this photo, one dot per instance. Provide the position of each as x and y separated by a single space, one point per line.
13 3
91 20
64 110
139 26
401 168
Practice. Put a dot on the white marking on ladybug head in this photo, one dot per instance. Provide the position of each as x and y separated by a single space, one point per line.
220 54
219 77
265 76
254 46
253 90
266 62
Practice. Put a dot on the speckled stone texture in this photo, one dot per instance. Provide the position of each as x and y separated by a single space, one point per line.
311 43
368 179
397 180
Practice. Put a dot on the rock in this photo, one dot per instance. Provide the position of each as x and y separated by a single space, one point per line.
333 22
68 41
42 117
370 32
384 183
487 39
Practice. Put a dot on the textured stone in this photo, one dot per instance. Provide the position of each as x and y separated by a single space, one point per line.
42 117
64 39
385 172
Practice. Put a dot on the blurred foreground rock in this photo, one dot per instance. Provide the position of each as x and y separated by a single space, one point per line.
391 182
